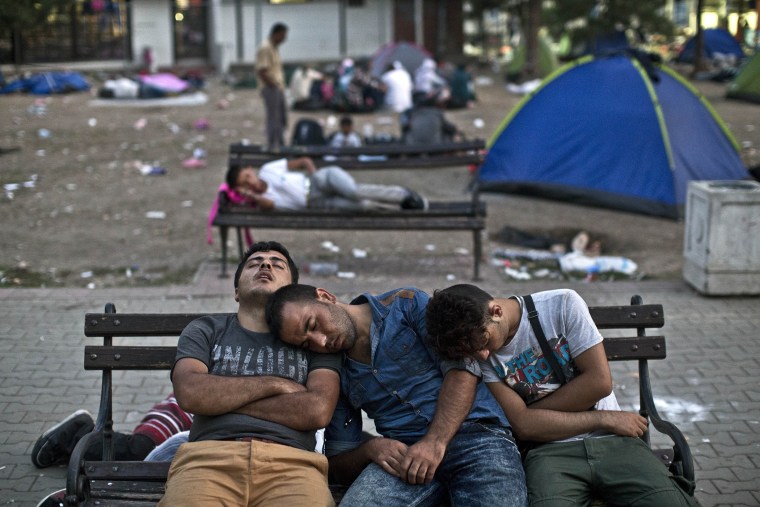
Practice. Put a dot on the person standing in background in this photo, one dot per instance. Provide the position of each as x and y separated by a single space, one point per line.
269 71
399 86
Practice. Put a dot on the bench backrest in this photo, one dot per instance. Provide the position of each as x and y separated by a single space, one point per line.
637 318
380 156
389 150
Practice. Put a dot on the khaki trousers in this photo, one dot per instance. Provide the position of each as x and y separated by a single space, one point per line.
231 473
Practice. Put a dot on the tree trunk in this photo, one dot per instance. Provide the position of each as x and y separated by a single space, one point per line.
531 70
699 44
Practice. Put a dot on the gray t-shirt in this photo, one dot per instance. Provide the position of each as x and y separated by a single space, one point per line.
570 331
227 349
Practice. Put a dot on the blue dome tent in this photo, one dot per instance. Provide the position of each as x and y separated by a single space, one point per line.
714 40
618 132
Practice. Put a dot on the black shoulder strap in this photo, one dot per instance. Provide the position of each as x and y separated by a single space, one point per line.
539 332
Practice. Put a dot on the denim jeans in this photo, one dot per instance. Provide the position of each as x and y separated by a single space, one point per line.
481 468
334 188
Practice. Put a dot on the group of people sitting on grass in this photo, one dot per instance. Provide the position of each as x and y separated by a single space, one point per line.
357 88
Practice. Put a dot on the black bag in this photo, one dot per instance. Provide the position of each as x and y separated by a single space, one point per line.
308 133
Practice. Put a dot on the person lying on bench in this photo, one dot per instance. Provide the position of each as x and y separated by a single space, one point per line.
275 186
161 422
579 452
257 401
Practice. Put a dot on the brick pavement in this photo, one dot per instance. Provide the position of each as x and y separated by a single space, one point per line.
707 386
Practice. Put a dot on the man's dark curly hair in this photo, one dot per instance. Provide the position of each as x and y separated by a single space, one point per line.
456 320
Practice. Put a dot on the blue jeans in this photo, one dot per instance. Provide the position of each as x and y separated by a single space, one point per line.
481 468
334 188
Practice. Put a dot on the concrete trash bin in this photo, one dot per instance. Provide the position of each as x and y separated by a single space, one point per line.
722 237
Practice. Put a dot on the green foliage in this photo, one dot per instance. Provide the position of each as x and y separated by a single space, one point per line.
16 14
583 20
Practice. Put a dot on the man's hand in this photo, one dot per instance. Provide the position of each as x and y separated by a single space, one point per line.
389 454
309 165
305 164
421 461
627 424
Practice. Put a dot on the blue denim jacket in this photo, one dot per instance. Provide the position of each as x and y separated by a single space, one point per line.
399 389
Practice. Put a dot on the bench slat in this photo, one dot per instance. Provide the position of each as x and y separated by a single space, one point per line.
132 494
436 209
96 502
172 324
436 161
389 150
127 470
627 317
639 347
138 324
129 357
393 222
123 357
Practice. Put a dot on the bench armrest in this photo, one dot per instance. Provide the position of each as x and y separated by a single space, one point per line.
77 484
683 463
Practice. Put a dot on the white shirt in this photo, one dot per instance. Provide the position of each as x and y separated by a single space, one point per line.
398 96
570 331
340 140
287 189
426 79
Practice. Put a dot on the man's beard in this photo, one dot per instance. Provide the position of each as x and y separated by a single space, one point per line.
259 295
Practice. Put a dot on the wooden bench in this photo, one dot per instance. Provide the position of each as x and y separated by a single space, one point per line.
110 482
467 215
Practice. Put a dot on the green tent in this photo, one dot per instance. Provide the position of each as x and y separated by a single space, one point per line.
547 60
746 84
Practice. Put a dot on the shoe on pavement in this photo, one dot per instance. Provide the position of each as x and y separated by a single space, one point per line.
56 444
415 201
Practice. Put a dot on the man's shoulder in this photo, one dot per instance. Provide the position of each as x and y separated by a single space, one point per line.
279 165
554 295
319 361
265 51
402 294
212 321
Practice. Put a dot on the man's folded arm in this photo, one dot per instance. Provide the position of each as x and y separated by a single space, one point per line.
199 392
309 409
541 425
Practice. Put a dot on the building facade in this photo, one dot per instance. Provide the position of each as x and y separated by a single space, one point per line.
217 33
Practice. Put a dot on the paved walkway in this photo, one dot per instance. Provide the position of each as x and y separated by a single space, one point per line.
707 386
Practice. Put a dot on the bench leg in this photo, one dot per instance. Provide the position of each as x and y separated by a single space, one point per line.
223 237
240 242
477 247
